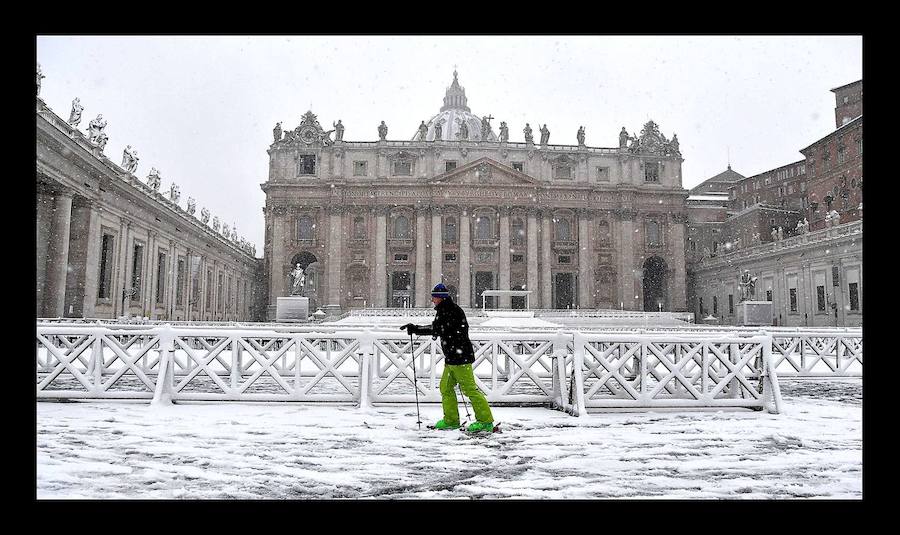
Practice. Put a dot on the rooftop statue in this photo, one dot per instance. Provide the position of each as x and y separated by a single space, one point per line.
191 206
623 138
580 135
95 128
204 216
39 77
338 131
423 131
75 116
382 131
528 137
276 132
545 134
504 132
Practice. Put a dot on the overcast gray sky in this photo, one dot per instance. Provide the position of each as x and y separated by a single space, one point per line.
202 109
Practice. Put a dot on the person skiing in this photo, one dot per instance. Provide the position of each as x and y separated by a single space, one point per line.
451 326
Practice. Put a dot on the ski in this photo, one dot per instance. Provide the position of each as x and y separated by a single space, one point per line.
482 433
461 426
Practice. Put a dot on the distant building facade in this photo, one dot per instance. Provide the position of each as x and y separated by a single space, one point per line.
797 227
376 224
109 245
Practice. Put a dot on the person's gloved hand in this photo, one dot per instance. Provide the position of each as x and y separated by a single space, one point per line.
409 328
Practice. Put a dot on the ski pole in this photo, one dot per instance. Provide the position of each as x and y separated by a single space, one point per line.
466 405
415 384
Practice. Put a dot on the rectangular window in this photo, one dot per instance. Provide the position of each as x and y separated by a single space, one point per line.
209 285
859 146
519 166
179 282
562 172
701 306
518 258
195 280
793 293
137 266
106 258
220 293
715 306
360 168
854 296
651 172
449 257
768 295
402 168
841 155
820 298
401 257
731 303
306 164
449 165
160 278
603 174
565 259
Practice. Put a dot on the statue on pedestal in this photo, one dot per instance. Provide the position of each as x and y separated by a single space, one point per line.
95 128
485 127
438 130
545 134
153 178
39 76
504 132
338 131
276 132
101 140
580 135
382 131
423 131
191 206
215 223
298 280
623 138
463 133
129 159
748 286
528 137
75 116
204 216
174 193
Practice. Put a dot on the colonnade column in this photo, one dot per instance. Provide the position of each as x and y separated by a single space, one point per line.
419 299
504 256
44 223
465 260
277 275
335 263
59 254
679 300
626 259
585 260
379 299
546 294
437 251
534 298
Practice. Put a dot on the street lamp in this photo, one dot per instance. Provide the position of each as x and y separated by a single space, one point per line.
127 292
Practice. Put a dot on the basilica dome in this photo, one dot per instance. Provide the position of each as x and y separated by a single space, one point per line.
453 114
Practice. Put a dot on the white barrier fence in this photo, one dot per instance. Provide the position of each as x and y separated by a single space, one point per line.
567 370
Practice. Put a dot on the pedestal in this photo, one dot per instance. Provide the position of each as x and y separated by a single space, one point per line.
293 308
751 313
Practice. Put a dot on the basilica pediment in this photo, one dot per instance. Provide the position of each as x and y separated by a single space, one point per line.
485 172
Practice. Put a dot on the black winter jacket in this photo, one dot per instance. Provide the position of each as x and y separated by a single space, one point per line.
451 326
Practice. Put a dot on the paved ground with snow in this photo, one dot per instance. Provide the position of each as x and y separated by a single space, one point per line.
124 450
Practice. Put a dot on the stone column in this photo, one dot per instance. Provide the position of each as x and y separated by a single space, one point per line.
44 223
335 262
626 259
420 298
379 289
585 260
150 276
277 275
546 279
188 285
465 260
504 256
92 261
120 277
679 291
201 304
59 254
437 248
532 274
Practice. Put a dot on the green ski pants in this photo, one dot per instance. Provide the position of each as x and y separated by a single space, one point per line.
463 375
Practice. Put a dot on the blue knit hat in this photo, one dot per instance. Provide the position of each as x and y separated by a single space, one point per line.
440 290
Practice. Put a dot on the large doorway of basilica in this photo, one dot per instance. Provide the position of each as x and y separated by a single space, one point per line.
484 280
401 289
655 284
517 301
311 269
564 290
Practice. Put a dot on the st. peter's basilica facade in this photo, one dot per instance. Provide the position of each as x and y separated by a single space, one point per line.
376 224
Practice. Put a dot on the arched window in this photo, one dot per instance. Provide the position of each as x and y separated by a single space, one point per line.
305 228
518 230
359 228
563 229
653 233
483 229
450 230
401 227
603 232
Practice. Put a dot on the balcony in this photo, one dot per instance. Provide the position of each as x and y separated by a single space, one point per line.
565 245
400 243
310 243
486 244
